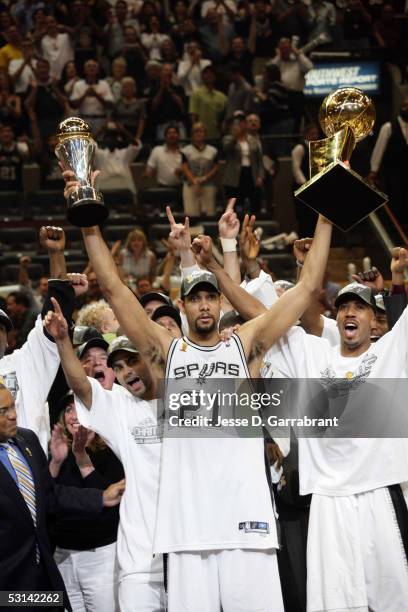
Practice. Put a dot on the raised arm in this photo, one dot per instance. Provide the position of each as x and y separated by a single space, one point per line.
53 240
147 335
247 306
152 340
312 321
77 380
228 228
263 331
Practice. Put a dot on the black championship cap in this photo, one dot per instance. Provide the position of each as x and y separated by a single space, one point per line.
5 320
198 278
122 343
353 291
153 295
167 311
97 341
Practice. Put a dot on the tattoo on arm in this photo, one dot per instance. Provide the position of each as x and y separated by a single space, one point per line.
155 357
257 350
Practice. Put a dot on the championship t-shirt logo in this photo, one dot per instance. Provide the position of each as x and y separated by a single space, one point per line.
147 432
342 386
10 381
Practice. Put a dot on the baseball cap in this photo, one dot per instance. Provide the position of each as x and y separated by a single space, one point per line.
379 302
83 333
283 284
355 290
122 343
198 278
96 342
5 320
154 295
167 311
65 400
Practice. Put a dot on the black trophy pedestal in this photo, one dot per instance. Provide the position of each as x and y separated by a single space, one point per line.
341 195
86 207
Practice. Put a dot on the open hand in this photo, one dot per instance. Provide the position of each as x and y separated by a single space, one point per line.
58 444
248 242
113 494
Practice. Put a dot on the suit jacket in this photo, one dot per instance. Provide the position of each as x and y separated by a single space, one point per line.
233 166
19 536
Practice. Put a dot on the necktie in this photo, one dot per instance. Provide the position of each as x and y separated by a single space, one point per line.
25 484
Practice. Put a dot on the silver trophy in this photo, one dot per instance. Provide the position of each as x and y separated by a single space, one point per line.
75 150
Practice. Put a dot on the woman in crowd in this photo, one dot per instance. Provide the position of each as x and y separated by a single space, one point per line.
69 78
153 38
136 259
274 110
200 165
85 548
244 171
10 104
129 110
168 53
119 71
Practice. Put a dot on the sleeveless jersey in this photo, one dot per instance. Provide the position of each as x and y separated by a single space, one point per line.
214 491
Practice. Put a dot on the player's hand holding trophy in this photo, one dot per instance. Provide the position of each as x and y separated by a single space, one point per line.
346 116
75 151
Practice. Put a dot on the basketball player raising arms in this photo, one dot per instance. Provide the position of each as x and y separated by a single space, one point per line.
215 512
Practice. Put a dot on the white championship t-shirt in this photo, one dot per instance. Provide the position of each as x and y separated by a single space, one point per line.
214 492
346 466
330 331
129 427
29 373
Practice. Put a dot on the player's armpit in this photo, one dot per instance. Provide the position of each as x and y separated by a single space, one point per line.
156 357
263 331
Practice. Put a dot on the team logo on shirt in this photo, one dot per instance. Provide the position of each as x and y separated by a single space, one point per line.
353 380
217 368
148 432
10 381
254 527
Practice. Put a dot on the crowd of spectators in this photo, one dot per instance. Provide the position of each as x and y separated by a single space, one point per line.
132 69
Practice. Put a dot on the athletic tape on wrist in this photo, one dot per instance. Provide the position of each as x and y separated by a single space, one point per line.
229 245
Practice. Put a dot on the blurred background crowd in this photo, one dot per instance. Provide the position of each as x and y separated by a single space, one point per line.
191 103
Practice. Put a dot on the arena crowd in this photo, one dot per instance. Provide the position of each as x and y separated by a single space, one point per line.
190 287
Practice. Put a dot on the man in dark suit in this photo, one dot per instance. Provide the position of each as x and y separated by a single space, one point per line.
27 495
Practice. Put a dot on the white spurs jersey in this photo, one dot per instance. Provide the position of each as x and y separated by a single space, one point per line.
214 492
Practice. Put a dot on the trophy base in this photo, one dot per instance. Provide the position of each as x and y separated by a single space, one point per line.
341 195
86 208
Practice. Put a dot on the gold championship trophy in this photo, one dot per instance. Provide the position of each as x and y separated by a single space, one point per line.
346 116
75 151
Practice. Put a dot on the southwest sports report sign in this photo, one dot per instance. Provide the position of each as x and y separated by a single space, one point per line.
323 78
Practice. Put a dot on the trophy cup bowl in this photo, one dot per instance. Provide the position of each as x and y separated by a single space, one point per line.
346 116
75 152
347 106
